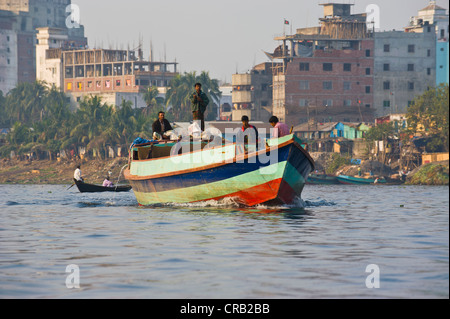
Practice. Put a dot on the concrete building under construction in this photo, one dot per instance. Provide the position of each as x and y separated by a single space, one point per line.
115 75
326 72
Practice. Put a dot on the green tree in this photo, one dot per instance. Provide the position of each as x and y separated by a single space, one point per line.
181 88
152 100
429 115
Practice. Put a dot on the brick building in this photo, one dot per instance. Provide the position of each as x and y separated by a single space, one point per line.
326 72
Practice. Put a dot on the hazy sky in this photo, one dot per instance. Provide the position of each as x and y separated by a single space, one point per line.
221 37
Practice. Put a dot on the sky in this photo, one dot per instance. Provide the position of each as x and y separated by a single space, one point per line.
221 37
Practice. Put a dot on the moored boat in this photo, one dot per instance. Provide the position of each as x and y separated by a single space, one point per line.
161 173
91 188
351 180
322 179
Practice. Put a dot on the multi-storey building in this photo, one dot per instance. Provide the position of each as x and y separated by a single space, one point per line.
434 17
405 67
115 75
252 93
326 71
18 22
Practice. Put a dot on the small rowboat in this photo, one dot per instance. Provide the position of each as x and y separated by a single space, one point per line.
350 180
319 179
91 188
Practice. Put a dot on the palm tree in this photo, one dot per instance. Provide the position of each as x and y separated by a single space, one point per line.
151 98
181 89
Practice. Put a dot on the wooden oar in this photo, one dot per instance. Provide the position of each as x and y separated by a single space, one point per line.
71 186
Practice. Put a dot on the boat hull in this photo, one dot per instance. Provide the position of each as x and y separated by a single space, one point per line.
90 188
349 180
318 179
248 179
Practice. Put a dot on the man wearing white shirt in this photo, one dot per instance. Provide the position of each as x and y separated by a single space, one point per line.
77 174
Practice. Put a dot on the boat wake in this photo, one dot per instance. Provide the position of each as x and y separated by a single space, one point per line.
233 203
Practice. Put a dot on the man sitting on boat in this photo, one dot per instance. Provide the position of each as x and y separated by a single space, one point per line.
280 129
161 126
107 182
77 174
247 133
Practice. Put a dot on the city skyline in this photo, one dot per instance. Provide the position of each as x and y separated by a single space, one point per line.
222 38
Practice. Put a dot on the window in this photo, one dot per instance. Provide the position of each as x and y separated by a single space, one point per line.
386 103
79 86
410 67
367 53
347 67
367 89
327 85
117 82
386 67
347 86
328 66
428 52
7 38
304 66
367 71
411 48
386 85
428 71
304 85
347 102
387 48
411 86
367 105
327 102
304 102
128 82
69 86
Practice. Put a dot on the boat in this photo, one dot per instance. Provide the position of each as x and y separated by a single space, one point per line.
91 188
160 172
351 180
322 179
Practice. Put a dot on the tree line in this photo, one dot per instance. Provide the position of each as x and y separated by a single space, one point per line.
40 119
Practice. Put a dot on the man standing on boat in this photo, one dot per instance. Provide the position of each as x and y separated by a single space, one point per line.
199 102
77 174
161 125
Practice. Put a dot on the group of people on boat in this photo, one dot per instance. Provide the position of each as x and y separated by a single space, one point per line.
199 102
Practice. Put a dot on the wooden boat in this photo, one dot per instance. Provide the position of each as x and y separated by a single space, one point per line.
322 179
206 173
91 188
350 180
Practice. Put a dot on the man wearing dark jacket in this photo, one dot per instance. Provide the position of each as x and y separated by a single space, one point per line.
161 125
199 102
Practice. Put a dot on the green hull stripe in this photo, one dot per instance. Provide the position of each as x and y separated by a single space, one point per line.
192 160
213 190
294 178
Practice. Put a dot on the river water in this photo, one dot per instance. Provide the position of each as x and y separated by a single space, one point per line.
337 242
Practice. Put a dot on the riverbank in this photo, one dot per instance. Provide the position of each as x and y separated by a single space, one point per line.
95 171
430 174
59 173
